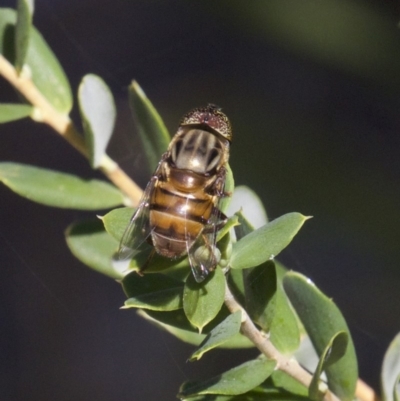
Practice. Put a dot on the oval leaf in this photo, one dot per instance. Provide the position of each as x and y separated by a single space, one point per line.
322 320
202 301
261 290
266 242
391 369
269 307
244 227
177 324
11 112
283 381
232 222
260 393
246 200
152 291
284 331
22 31
236 284
163 321
8 18
396 389
97 108
229 188
334 350
116 221
47 74
238 380
59 189
219 335
152 131
43 66
93 246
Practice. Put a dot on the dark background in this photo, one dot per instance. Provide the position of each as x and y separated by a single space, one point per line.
312 90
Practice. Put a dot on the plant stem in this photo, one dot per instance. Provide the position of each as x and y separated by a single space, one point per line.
62 124
287 365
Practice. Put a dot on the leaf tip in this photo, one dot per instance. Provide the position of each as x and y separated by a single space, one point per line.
137 88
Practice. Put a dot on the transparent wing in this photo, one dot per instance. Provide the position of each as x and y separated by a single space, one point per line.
203 253
138 229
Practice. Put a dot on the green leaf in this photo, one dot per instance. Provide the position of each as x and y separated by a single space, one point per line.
22 31
152 131
8 18
287 383
152 291
228 189
391 370
266 242
269 307
260 393
116 221
58 189
225 248
42 65
280 319
231 222
236 284
260 291
97 107
177 324
11 112
236 277
246 200
322 320
396 389
244 227
284 331
334 350
202 301
279 386
93 246
163 320
48 75
219 335
238 380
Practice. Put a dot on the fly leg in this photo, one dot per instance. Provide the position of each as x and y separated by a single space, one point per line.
219 184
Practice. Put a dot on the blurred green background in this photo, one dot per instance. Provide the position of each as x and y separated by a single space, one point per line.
312 90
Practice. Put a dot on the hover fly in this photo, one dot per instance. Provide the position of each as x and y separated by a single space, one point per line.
178 213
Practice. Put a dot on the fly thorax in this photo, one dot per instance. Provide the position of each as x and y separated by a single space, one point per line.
198 151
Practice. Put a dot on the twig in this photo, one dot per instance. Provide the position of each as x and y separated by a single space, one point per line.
287 365
61 123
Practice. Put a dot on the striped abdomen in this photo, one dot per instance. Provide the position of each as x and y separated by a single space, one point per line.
177 217
182 199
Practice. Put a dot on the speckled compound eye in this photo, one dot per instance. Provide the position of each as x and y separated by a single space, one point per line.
210 117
